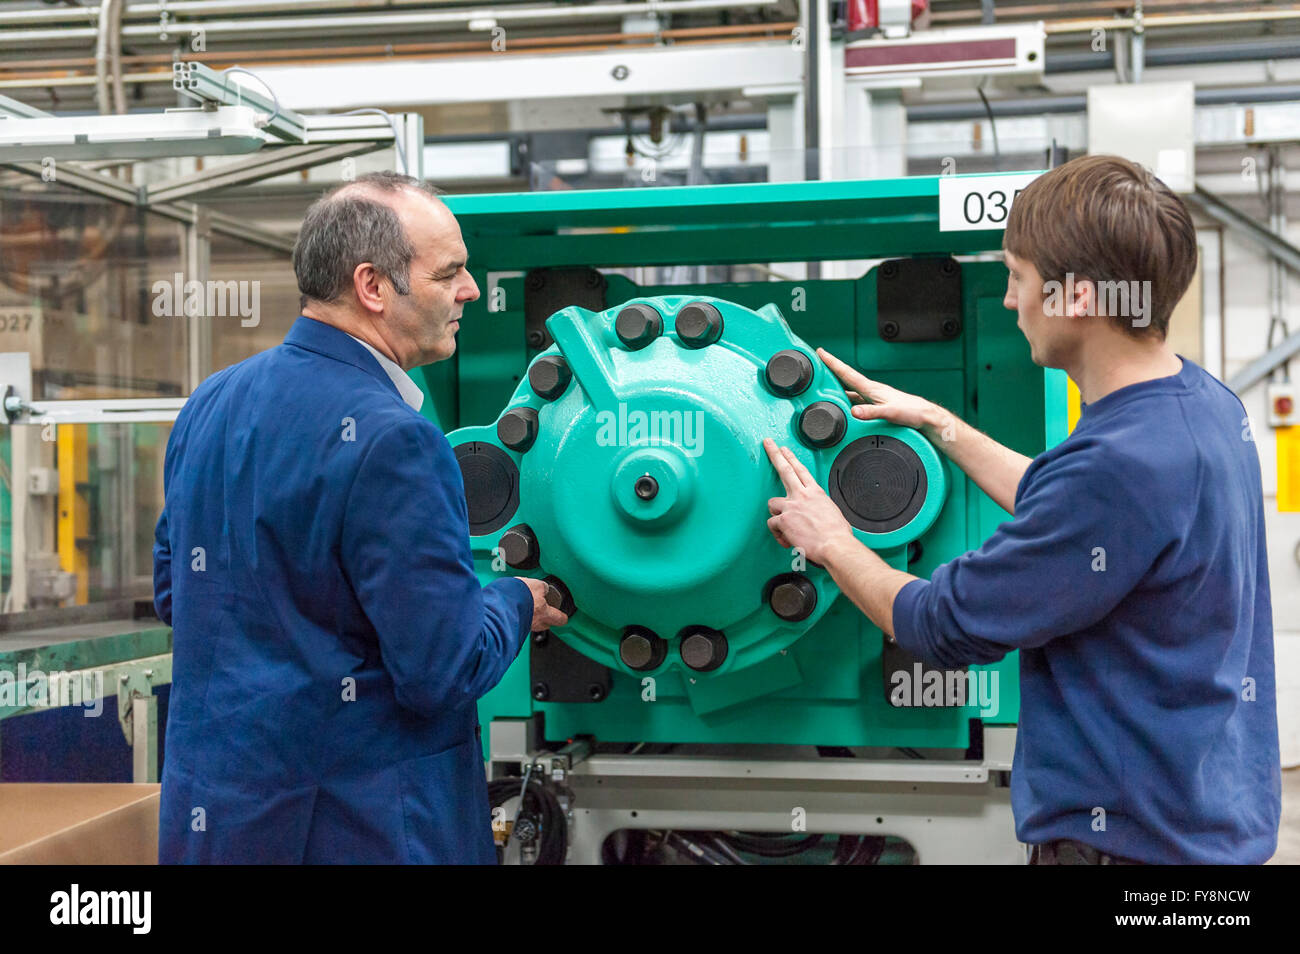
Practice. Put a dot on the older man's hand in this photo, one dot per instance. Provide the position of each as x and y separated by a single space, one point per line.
545 613
805 517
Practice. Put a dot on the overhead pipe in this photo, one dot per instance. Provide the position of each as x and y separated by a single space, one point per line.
1167 20
138 11
184 8
1067 104
280 56
235 7
1273 48
110 94
399 21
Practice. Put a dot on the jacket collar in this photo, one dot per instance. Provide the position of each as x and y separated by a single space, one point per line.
325 339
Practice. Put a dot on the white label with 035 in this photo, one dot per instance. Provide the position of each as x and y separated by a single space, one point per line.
967 203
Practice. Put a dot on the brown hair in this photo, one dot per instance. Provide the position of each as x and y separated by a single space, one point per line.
1107 219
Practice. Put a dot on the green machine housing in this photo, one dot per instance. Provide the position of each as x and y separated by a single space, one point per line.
609 435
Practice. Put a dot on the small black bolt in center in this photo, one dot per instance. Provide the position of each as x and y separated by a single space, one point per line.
646 487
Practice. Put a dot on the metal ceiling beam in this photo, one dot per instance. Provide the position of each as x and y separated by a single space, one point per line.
262 166
255 234
206 85
394 23
1262 366
95 183
19 109
1276 246
83 180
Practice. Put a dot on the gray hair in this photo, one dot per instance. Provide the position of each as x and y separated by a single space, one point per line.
340 232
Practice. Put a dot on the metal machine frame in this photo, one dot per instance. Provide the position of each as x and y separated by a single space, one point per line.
950 811
952 806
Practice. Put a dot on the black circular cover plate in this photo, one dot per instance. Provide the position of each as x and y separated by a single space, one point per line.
491 485
878 483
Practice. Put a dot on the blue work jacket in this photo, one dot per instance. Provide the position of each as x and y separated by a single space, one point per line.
331 640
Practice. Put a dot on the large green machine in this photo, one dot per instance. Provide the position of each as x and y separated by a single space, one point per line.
610 439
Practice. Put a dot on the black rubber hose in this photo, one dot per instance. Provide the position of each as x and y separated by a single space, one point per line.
771 845
541 802
845 849
868 851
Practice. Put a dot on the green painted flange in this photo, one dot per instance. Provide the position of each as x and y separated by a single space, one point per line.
644 482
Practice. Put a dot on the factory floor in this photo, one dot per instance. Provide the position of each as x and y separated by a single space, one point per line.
1288 838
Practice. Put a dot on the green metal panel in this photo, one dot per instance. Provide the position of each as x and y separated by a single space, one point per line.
77 647
828 688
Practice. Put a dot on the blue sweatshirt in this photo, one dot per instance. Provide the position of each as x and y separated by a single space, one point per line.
1134 581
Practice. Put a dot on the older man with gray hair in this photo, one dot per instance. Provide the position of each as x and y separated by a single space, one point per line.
331 640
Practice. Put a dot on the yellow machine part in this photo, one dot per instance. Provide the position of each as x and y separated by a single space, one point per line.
1288 468
74 507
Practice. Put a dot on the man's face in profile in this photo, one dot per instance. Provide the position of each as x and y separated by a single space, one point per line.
1025 297
427 319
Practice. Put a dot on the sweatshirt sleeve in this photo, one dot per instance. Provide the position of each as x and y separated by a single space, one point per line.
1085 533
445 639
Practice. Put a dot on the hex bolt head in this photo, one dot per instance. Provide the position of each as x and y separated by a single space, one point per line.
641 649
949 328
541 691
889 330
558 595
549 376
792 596
789 372
519 547
637 325
517 428
596 692
822 424
703 649
699 324
536 338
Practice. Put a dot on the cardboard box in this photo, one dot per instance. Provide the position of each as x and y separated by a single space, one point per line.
67 824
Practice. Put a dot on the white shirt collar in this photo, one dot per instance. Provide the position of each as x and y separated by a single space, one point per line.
407 388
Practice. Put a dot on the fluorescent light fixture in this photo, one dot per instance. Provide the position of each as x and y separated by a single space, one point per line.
225 130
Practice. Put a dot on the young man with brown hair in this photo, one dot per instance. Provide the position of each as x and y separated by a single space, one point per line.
1133 576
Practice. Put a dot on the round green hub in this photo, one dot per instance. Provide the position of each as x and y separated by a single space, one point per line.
645 484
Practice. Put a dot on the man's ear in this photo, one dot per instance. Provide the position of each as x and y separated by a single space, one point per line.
368 285
1083 302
